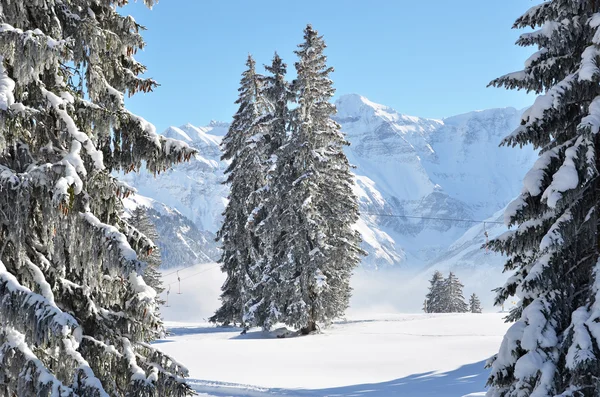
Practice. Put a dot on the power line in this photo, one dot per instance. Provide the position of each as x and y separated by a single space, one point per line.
192 275
178 270
364 213
431 218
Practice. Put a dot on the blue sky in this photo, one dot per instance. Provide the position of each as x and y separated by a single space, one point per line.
429 58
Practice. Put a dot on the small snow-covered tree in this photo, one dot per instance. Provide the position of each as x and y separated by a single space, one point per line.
553 349
315 247
246 144
452 299
141 221
434 299
474 304
75 313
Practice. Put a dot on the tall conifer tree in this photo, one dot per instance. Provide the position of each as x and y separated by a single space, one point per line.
553 348
266 293
75 315
315 247
245 144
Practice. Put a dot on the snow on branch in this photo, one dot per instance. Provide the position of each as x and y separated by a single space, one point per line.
538 112
7 85
137 373
40 380
535 16
554 236
517 207
542 36
59 103
163 371
38 277
159 152
19 302
566 178
46 323
592 120
532 182
593 322
31 43
589 71
111 234
582 349
135 238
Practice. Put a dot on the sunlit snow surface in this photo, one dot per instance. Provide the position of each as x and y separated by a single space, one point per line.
374 352
378 355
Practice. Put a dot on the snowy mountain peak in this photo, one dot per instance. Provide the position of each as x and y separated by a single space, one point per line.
353 106
219 125
209 136
203 135
488 122
177 133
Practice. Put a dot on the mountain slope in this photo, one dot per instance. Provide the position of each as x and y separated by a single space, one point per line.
409 170
180 241
195 189
415 167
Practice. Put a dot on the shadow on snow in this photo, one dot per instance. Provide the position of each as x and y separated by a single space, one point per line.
237 331
179 331
469 379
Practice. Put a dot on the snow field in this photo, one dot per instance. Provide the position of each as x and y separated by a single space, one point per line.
372 349
390 354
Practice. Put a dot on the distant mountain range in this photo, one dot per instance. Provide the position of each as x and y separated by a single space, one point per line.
415 179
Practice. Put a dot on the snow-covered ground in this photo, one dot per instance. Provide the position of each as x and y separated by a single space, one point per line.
380 355
371 353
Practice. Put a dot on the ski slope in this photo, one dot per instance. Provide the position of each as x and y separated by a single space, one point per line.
409 355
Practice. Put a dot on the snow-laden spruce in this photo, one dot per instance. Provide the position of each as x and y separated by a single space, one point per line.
141 221
76 315
434 299
246 144
315 247
474 304
288 241
453 300
445 295
553 248
266 292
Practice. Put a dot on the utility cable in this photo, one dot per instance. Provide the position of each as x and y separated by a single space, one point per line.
362 213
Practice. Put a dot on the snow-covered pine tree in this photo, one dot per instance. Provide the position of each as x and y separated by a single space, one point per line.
434 299
245 145
277 92
266 291
315 246
474 304
75 315
554 346
452 300
141 221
